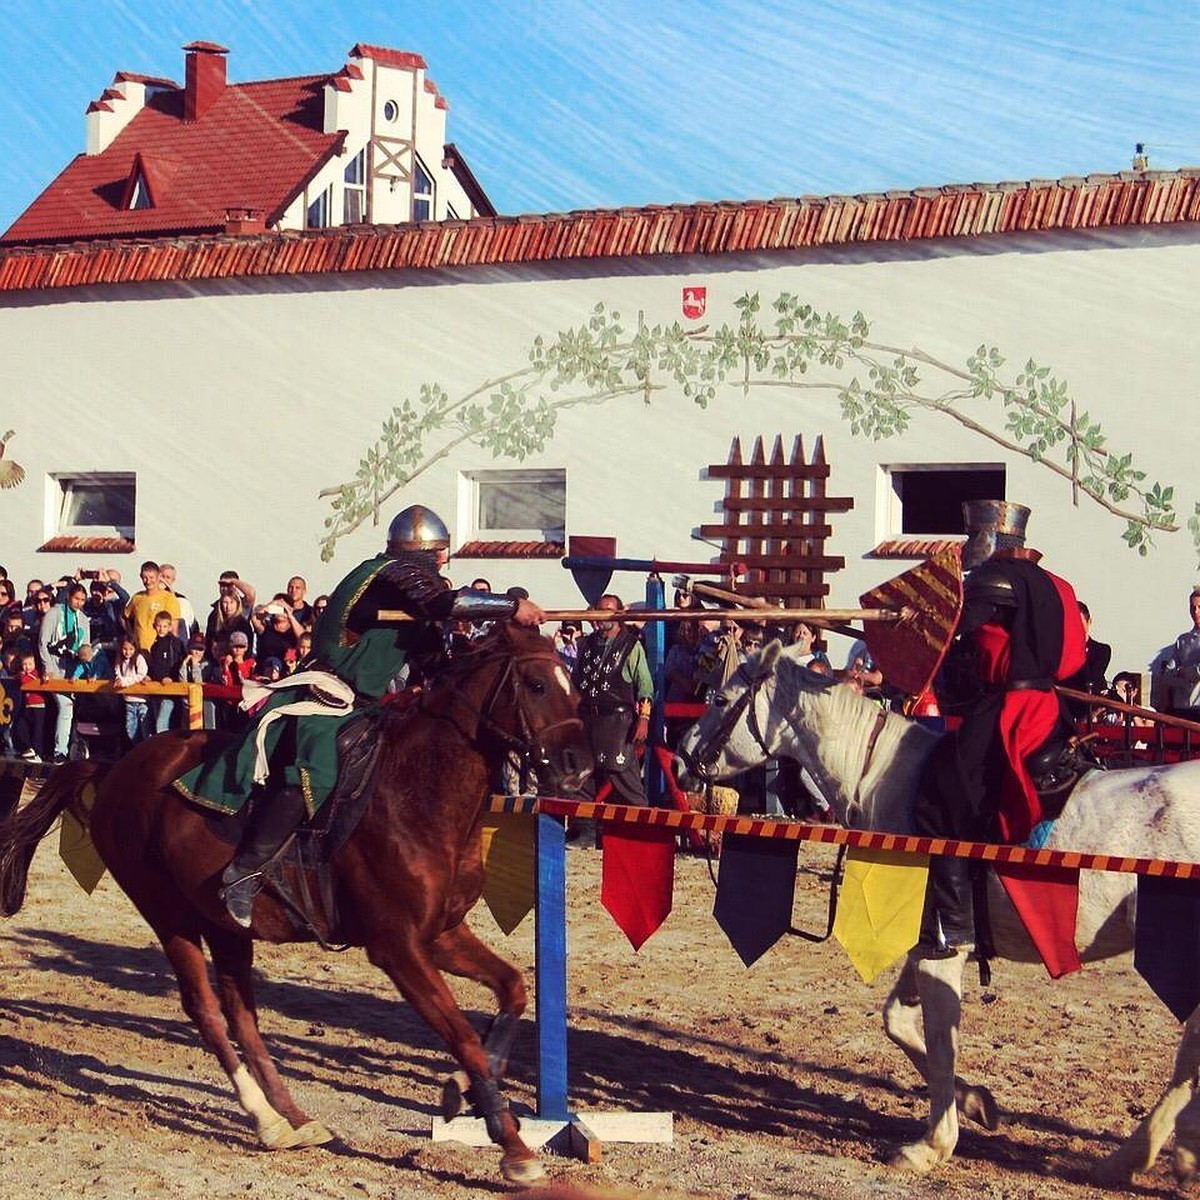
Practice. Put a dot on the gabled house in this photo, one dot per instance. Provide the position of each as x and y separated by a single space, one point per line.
363 145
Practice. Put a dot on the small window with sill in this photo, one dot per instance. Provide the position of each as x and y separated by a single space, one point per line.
423 191
320 210
354 190
516 508
924 500
92 510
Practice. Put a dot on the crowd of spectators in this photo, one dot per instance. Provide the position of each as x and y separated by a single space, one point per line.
88 626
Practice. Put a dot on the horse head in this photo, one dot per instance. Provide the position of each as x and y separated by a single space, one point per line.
762 712
519 699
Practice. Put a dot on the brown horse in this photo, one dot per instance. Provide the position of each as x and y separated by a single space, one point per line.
402 883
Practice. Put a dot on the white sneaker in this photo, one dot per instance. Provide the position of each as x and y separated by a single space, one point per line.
31 755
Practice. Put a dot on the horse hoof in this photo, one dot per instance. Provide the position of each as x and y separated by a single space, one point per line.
980 1106
311 1133
916 1157
276 1135
1184 1164
453 1091
521 1170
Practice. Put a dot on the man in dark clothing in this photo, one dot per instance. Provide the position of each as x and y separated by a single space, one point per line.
1019 632
613 677
1092 676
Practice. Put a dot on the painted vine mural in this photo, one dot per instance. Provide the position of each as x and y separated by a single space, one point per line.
1027 411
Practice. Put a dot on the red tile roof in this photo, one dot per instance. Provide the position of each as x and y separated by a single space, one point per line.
914 547
255 147
511 550
389 58
1130 199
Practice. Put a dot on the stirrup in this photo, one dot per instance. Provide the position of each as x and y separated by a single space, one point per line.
238 896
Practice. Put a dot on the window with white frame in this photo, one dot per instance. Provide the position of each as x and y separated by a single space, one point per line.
422 185
926 499
320 210
139 197
354 190
515 505
92 504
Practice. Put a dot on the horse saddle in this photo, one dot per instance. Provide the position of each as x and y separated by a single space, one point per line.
1055 768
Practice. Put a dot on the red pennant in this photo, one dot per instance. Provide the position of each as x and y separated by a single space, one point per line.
1046 900
638 878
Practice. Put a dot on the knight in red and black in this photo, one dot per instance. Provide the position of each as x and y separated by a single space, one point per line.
1020 632
617 689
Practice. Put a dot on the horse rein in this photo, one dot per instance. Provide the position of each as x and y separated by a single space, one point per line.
527 743
702 758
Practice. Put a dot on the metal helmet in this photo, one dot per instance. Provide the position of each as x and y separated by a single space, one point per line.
991 525
417 528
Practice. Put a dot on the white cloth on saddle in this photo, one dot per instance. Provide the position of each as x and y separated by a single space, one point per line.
340 700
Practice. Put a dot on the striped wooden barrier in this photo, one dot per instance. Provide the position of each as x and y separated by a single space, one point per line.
770 827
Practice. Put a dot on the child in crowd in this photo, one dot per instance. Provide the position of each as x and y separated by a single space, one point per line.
271 671
131 668
84 667
29 734
166 654
10 699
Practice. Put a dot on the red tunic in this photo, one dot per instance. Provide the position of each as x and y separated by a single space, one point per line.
1028 717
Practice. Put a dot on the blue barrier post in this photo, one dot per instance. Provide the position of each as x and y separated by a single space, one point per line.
550 968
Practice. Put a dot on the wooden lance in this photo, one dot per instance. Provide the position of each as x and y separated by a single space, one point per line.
777 616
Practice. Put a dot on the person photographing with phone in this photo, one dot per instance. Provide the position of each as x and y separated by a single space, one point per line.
63 630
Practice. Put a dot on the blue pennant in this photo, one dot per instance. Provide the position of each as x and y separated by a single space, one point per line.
755 889
1166 940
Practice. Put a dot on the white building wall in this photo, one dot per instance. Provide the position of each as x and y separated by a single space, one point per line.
237 403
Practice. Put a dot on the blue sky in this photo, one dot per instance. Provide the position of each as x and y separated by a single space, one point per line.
559 104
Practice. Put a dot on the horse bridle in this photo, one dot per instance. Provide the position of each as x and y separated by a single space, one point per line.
527 743
705 754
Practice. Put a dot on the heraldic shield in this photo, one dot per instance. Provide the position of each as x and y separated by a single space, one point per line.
909 651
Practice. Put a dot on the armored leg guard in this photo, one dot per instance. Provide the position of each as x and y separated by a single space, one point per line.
274 819
949 921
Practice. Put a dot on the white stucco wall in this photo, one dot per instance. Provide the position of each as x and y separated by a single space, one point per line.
236 403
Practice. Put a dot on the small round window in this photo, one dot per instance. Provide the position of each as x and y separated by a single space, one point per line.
391 110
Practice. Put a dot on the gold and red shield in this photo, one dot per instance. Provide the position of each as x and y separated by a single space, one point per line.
909 651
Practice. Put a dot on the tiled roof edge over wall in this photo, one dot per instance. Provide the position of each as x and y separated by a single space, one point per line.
726 227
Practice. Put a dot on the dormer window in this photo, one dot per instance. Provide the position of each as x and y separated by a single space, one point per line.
422 192
354 190
139 195
318 214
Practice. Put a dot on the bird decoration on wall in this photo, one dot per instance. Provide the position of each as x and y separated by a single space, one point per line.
11 473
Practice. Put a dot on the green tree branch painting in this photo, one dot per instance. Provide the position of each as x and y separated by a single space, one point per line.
878 388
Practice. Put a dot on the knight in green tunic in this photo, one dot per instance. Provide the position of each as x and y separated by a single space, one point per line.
289 751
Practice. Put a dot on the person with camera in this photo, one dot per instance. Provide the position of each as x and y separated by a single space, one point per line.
105 608
63 630
276 629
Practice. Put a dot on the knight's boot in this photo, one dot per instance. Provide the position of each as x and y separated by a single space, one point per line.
948 924
275 818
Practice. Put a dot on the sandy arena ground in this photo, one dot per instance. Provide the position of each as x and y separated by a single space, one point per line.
779 1077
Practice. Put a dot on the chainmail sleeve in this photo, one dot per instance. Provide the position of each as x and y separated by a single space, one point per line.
406 582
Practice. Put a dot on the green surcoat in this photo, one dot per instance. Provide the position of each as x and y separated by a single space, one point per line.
368 661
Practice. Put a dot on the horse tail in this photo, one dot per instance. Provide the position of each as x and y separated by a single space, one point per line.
25 828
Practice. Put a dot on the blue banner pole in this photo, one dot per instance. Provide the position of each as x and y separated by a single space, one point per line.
655 635
550 968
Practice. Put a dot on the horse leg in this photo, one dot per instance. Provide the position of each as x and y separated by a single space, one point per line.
460 952
287 1127
409 966
939 987
1175 1109
902 1023
199 1002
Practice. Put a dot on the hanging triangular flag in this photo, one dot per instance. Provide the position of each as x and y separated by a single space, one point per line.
509 867
756 885
1046 900
638 878
879 907
1166 939
76 850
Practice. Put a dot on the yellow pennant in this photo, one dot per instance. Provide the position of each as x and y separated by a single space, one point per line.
509 867
76 850
879 908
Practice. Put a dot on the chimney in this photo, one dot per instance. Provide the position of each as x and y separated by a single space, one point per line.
204 78
242 219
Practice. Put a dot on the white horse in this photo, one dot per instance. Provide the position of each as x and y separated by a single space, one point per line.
867 764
